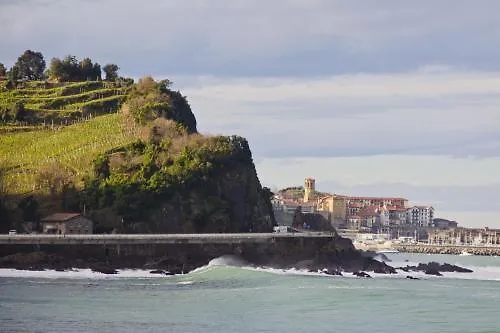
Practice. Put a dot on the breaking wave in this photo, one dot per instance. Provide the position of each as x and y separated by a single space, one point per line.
231 265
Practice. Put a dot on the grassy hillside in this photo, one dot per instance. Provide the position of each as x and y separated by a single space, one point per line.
143 169
59 102
25 154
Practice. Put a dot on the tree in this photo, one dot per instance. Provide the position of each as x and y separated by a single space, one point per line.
70 69
111 72
29 208
87 70
56 69
53 177
101 167
3 70
29 66
149 100
19 111
97 72
4 212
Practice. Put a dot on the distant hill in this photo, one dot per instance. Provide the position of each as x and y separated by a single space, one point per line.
297 193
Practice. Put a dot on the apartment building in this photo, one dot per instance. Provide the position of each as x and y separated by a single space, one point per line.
421 216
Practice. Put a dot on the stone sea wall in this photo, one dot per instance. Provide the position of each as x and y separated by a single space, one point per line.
447 249
334 254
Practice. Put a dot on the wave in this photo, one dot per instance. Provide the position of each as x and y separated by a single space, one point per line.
230 266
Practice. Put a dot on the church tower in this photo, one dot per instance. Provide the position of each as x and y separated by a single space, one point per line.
309 189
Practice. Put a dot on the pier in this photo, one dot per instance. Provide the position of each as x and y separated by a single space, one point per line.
131 239
448 249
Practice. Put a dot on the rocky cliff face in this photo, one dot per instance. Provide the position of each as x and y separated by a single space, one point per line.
232 202
227 198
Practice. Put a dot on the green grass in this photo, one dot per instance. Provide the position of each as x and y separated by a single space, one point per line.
25 154
54 98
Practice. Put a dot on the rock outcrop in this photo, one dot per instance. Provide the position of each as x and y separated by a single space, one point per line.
434 268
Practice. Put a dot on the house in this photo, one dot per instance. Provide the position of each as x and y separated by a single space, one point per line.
66 223
378 201
336 205
397 215
444 223
369 216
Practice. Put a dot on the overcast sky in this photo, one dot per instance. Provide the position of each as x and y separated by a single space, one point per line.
398 98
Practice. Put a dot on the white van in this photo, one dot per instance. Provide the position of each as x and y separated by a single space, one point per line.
281 228
12 232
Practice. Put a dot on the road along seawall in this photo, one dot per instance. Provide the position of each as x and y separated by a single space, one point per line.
448 249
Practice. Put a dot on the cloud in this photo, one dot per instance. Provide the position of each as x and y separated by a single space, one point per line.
246 38
428 170
450 112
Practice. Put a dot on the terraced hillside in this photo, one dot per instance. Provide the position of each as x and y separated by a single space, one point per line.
61 102
24 155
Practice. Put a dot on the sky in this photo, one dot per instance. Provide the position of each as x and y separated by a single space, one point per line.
389 98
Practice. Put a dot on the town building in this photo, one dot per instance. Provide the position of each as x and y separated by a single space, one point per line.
336 205
465 236
379 201
391 215
421 216
66 223
444 223
309 189
397 215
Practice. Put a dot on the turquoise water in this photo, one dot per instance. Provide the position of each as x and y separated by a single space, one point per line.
221 298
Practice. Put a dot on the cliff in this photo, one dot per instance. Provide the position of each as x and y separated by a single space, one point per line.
144 169
229 199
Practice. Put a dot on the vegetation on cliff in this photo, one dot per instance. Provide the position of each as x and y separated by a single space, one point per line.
144 169
297 193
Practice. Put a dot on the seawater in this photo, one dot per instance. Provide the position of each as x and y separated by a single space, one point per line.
226 296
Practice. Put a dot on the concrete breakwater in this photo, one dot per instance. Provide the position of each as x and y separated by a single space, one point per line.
449 249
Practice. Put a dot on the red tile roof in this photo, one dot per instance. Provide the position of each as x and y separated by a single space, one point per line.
60 217
376 198
369 211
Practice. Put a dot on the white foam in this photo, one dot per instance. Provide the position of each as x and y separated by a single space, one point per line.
77 274
491 273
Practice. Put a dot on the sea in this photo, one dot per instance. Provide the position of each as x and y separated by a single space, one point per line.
228 296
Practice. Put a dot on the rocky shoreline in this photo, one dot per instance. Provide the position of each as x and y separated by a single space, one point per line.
331 256
356 263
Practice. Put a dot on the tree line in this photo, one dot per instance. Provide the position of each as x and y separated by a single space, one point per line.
31 66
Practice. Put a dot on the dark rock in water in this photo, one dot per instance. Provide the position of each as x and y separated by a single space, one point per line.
412 277
362 274
104 269
34 268
332 271
437 267
383 270
160 271
304 264
453 268
433 272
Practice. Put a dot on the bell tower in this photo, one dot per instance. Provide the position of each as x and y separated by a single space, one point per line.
309 189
